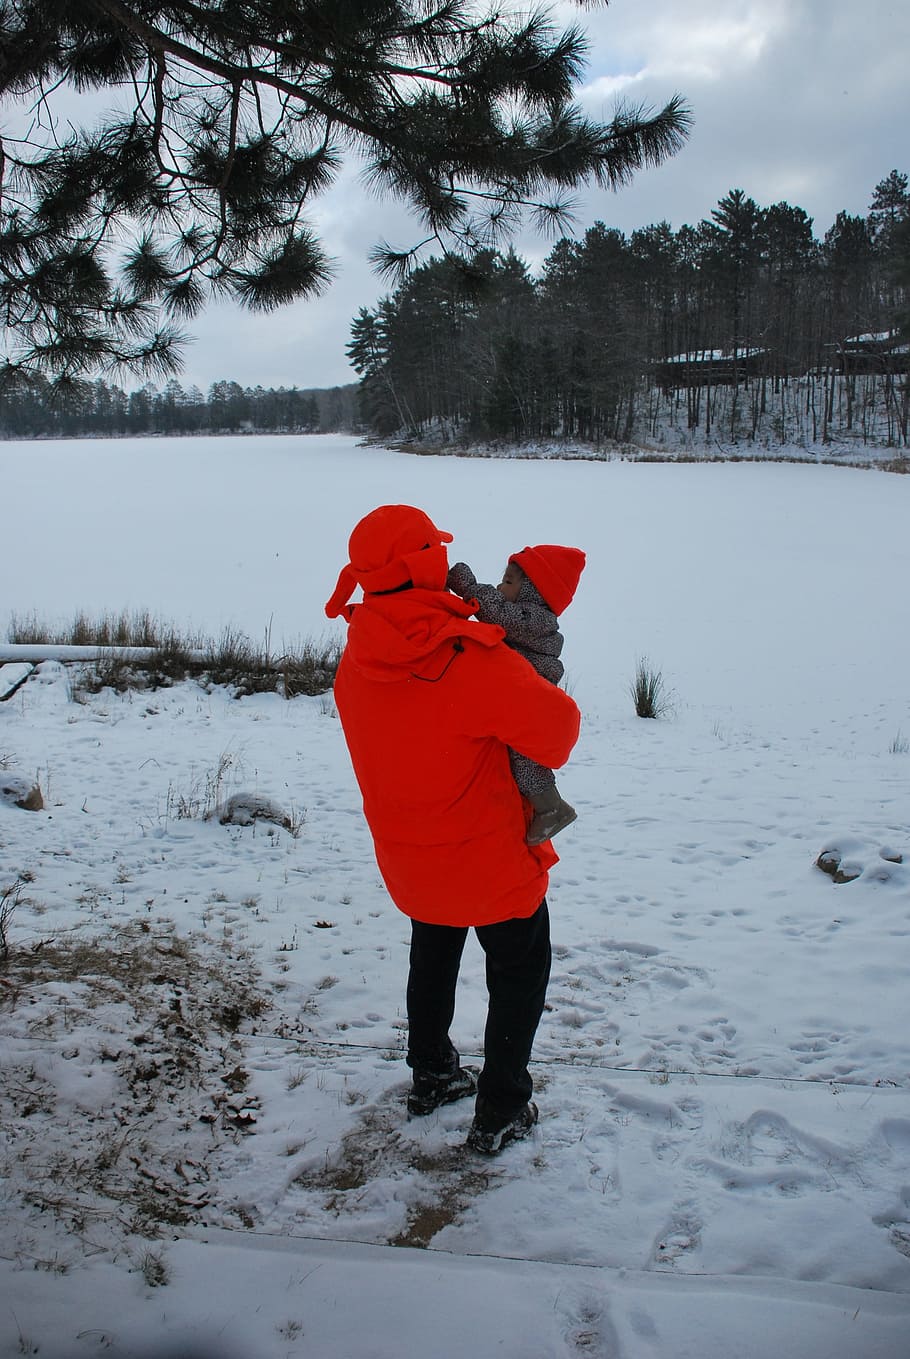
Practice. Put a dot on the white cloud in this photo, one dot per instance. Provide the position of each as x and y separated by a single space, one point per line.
698 39
610 87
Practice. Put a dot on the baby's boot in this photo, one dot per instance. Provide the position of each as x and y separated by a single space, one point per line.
551 815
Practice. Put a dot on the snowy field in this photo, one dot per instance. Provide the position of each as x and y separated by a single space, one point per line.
203 1145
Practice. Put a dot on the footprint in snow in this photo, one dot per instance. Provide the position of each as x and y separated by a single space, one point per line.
896 1133
679 1238
586 1326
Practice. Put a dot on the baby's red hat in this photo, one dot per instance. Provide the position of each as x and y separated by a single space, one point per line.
554 571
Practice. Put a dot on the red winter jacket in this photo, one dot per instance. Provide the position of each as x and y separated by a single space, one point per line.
430 700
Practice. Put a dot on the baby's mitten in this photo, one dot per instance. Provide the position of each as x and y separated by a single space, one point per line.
461 580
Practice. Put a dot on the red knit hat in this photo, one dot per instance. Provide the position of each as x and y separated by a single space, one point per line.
553 571
391 546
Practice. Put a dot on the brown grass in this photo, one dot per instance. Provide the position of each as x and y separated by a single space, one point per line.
306 668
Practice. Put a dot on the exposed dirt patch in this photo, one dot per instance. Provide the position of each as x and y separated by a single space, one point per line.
440 1183
81 1113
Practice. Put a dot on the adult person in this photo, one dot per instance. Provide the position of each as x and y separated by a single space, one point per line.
430 701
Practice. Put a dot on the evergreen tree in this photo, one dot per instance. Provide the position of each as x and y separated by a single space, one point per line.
902 274
890 206
234 117
738 229
790 254
850 259
610 338
500 352
889 226
654 254
310 414
370 353
139 410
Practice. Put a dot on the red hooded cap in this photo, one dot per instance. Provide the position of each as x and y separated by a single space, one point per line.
391 546
553 571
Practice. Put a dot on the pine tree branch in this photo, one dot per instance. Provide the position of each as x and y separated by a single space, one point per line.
163 45
241 111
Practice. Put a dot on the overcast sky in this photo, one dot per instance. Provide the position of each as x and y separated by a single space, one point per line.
804 101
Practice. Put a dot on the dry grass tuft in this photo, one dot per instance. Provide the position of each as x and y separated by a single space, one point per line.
649 692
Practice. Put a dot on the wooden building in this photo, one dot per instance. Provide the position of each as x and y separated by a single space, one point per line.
885 352
712 368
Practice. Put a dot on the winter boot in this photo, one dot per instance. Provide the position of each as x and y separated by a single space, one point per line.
489 1141
552 815
430 1090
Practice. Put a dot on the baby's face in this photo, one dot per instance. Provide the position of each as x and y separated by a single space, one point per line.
510 584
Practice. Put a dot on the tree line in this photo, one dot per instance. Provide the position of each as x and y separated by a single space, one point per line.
39 408
710 325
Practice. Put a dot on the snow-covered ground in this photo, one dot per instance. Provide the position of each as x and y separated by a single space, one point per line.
202 1137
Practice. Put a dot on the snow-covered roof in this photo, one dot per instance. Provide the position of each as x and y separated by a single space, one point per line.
879 337
708 355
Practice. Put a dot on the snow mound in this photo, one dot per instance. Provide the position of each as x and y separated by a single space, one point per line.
20 792
849 858
244 809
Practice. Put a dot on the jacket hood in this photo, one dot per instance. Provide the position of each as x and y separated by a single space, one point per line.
390 547
413 634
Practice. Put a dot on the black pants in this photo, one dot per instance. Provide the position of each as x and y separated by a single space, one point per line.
517 968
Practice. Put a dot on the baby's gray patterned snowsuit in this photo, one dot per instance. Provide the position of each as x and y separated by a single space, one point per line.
532 630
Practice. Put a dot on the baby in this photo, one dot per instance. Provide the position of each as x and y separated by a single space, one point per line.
538 584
